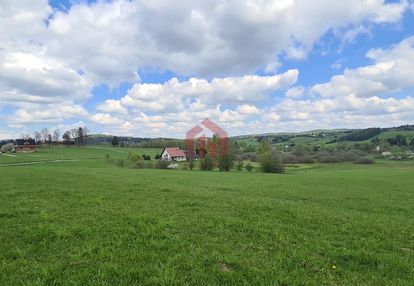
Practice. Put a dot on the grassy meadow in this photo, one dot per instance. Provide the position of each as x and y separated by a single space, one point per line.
84 221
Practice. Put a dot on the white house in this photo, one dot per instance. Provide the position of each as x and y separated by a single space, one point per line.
173 154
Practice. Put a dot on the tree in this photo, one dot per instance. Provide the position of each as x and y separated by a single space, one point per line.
114 141
398 140
49 140
412 142
206 164
73 134
45 134
271 162
85 135
225 162
264 147
66 138
80 136
191 164
37 136
56 135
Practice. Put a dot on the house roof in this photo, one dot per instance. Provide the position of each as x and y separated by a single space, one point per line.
23 142
174 152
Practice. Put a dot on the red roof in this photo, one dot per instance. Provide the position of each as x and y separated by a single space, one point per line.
174 152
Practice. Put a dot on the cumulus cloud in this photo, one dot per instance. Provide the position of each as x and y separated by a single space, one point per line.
45 113
174 95
51 60
392 71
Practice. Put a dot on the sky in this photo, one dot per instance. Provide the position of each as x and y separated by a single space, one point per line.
157 68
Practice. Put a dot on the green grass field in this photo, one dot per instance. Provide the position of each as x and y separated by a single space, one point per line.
87 222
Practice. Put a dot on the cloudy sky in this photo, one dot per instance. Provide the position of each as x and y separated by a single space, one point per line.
156 68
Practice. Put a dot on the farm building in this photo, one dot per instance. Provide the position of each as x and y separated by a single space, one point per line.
173 154
25 145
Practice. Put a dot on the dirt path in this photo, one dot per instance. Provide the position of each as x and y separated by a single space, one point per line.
35 163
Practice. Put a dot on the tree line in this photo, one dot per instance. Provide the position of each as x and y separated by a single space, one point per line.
75 136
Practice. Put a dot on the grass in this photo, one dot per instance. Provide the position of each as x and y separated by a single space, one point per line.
88 222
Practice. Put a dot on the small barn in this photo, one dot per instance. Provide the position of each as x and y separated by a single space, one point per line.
173 154
25 145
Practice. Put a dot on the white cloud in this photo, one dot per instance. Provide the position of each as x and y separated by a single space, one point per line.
176 96
392 71
295 91
45 113
112 106
110 41
106 119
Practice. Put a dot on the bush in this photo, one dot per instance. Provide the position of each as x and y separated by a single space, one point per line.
249 167
347 156
149 165
289 158
137 165
249 156
120 162
191 164
206 164
146 157
161 164
134 157
239 165
107 156
271 162
6 148
225 162
325 157
365 161
158 156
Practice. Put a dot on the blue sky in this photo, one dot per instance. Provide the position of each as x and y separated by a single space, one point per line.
156 68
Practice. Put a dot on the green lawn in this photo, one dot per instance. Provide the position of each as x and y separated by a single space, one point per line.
88 222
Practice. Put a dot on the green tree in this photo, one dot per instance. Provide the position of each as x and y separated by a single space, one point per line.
207 163
114 141
264 147
225 162
271 162
249 167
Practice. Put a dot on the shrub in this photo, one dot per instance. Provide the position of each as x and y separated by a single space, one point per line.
249 167
239 165
137 165
206 164
120 162
107 156
289 158
271 162
347 156
249 156
161 164
225 162
146 157
365 161
191 164
325 157
134 157
6 148
158 156
149 165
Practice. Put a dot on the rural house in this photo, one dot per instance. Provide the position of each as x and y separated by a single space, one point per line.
173 154
25 145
